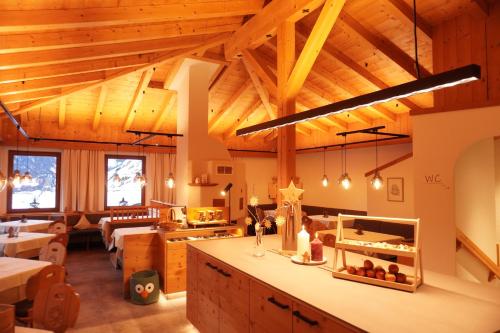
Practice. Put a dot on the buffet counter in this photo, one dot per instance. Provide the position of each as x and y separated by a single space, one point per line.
271 288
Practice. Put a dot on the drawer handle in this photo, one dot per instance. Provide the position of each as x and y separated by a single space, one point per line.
210 265
304 318
282 306
226 274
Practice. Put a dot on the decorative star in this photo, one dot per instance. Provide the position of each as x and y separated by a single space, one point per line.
291 194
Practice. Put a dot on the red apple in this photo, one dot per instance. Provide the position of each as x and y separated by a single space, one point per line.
379 268
368 264
361 271
351 269
393 268
380 275
401 278
370 273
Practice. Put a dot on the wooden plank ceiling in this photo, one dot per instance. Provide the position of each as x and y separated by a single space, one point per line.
94 69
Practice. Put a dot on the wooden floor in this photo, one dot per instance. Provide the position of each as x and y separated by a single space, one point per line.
103 308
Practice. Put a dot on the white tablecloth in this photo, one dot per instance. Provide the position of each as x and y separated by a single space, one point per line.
28 226
117 235
15 272
107 219
331 221
26 241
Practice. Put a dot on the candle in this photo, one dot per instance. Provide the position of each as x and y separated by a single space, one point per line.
303 242
316 249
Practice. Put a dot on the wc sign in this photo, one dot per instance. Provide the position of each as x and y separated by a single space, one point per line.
435 179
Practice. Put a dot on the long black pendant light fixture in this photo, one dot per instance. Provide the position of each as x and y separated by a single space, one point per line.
438 81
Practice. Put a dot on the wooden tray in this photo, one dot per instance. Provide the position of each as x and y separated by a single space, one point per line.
407 286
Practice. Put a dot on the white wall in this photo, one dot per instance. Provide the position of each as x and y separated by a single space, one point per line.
259 173
438 140
377 202
497 187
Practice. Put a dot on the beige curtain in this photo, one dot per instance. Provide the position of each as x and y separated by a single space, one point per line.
157 169
82 180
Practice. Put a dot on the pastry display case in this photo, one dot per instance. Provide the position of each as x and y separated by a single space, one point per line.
207 216
380 266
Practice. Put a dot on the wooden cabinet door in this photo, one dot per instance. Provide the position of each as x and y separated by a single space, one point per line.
192 286
309 320
270 310
208 294
234 291
175 278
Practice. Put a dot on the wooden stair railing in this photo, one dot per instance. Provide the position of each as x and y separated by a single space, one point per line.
468 244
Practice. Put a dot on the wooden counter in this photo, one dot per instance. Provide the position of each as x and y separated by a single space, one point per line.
442 304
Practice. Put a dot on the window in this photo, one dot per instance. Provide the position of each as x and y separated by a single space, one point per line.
224 170
41 193
123 190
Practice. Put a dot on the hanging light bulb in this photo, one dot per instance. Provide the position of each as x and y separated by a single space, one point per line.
137 177
140 179
3 181
324 181
170 182
345 181
27 179
16 178
377 181
116 179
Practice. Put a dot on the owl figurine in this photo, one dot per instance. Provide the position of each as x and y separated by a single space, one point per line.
144 287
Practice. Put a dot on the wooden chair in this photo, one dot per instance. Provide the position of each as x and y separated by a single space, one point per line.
46 277
54 252
56 308
7 319
312 226
57 227
61 238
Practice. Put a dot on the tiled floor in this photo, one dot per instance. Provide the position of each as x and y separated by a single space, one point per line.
103 308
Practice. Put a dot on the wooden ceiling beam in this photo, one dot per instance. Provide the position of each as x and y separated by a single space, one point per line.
30 96
259 66
227 106
103 92
405 12
46 57
329 121
139 93
264 24
171 56
172 73
71 18
53 82
166 110
384 45
247 113
333 53
261 90
314 43
44 40
95 65
62 112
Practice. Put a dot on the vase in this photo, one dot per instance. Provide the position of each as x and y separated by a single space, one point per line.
259 250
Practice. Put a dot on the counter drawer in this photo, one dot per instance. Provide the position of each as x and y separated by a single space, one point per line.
309 320
270 310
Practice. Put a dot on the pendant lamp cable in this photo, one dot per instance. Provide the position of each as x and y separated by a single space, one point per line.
345 154
324 161
376 152
417 66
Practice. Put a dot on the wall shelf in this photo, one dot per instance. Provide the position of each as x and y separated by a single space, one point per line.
208 184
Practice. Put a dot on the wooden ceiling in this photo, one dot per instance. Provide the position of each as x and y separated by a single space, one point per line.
93 69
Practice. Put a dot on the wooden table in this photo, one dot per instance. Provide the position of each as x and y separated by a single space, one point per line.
14 273
330 221
367 236
26 245
117 235
28 226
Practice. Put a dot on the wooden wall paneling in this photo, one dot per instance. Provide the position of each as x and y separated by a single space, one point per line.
246 113
167 109
493 49
62 112
403 10
137 98
99 107
261 91
70 18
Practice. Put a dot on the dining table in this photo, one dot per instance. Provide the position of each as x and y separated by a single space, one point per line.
14 273
26 225
330 221
25 245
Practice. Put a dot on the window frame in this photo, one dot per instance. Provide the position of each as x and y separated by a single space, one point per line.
123 157
10 170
